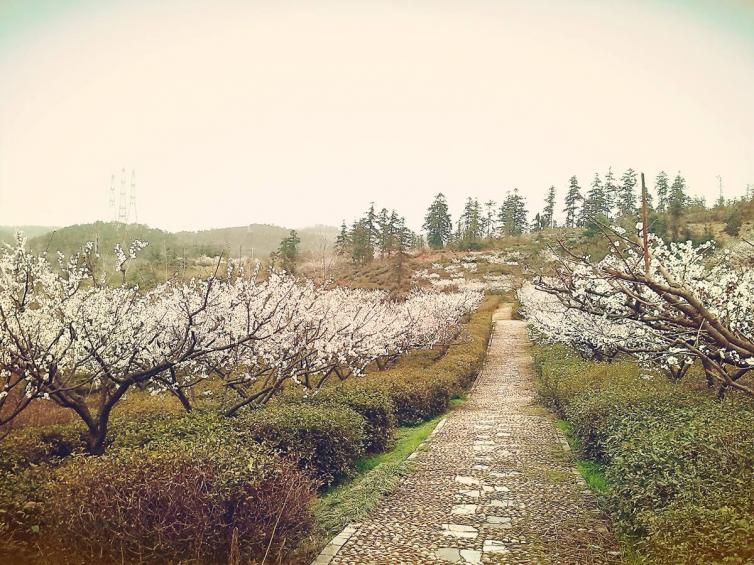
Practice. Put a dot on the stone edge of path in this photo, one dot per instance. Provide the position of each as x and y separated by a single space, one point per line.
334 546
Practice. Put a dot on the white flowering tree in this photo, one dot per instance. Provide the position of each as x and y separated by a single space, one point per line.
68 337
337 333
667 304
84 346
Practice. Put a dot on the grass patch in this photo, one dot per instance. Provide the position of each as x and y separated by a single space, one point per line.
456 401
592 471
594 475
377 476
408 439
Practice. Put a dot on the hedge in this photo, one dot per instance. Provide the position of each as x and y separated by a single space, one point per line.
372 403
679 463
325 440
185 503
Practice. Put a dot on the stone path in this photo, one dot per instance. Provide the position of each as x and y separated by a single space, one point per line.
495 485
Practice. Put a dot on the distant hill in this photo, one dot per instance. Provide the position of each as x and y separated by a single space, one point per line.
259 239
7 233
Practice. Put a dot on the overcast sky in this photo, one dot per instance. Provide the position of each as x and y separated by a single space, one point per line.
298 113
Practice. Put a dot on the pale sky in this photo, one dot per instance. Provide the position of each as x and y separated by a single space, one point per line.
296 113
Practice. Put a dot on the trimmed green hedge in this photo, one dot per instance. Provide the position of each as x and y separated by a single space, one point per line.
373 404
187 502
419 392
679 463
325 440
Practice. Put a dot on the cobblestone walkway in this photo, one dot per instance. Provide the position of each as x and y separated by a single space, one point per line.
495 484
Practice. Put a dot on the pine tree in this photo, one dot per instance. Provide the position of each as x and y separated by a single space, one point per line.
489 219
677 202
343 241
383 228
512 214
662 191
612 193
362 249
595 206
548 214
372 225
536 223
471 221
288 251
627 195
572 199
519 213
437 223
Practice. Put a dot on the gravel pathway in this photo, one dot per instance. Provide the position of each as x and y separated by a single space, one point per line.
495 485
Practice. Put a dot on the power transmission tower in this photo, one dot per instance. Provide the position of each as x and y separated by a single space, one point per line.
111 204
122 210
133 216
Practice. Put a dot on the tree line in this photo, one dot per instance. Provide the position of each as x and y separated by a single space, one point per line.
376 234
608 200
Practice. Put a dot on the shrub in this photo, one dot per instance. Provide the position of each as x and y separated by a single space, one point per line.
325 440
414 398
372 403
34 446
620 407
691 454
695 534
185 503
679 464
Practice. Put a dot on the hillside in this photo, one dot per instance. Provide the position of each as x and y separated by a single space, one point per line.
257 239
8 232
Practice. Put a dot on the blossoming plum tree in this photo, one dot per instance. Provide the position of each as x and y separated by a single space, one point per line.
68 337
668 304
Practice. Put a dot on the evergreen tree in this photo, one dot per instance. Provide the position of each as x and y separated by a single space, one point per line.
371 223
572 200
536 223
288 252
512 214
612 193
437 223
595 206
627 195
548 214
343 241
471 222
662 191
677 202
404 240
362 249
489 219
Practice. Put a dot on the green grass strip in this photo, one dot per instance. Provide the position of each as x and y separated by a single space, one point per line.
376 475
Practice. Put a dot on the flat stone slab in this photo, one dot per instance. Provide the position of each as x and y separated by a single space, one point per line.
449 554
463 509
471 556
494 546
459 531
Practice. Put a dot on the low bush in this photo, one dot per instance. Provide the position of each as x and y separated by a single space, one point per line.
325 440
420 392
372 403
186 503
696 534
678 463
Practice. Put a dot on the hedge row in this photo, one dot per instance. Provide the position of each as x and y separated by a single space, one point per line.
680 464
198 487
